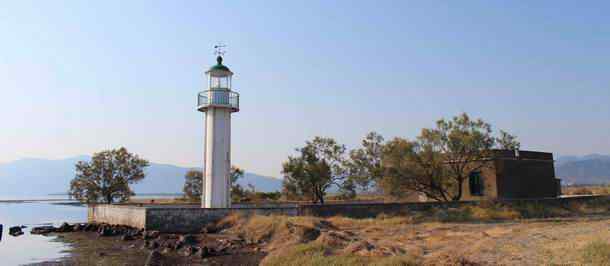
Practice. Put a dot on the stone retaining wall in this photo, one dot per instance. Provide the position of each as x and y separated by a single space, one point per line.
191 219
370 210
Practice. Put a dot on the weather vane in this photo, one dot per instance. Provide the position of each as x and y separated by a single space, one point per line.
219 49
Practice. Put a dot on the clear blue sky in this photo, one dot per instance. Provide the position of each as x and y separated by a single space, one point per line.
80 76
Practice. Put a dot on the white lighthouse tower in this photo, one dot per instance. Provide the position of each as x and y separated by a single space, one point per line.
217 102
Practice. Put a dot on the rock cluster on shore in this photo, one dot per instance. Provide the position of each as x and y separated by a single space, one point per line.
186 245
15 231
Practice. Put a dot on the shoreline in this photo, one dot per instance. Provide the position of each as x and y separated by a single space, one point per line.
34 200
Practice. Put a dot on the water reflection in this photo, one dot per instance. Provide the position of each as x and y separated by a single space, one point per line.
29 248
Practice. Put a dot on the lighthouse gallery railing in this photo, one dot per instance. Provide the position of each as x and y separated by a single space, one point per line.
218 98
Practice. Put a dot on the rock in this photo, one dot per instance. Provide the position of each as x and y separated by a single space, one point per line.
172 244
151 244
134 232
203 252
104 230
88 227
78 227
225 245
188 251
210 228
187 239
166 251
154 259
43 230
91 227
65 228
15 231
151 234
221 251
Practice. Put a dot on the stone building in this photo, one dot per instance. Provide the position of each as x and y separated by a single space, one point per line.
514 175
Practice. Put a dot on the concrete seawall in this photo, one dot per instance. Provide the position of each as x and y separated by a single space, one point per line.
191 219
173 219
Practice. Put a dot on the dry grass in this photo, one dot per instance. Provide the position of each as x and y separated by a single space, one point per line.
163 201
494 211
596 253
317 254
586 190
278 229
380 221
457 236
316 241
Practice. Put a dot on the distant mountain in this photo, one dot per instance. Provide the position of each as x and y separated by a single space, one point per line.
580 170
39 177
572 158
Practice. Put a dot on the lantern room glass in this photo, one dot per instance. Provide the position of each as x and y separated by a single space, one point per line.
220 82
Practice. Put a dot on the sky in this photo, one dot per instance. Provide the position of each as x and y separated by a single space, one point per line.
78 77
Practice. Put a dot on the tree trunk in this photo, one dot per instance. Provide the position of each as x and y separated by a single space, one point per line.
458 195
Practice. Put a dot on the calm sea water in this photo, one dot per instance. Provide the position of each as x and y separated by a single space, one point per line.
28 248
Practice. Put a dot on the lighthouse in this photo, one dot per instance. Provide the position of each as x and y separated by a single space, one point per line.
217 103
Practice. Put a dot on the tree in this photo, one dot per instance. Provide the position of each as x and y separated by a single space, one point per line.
507 141
318 166
238 193
236 173
438 162
411 168
106 178
364 164
193 183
